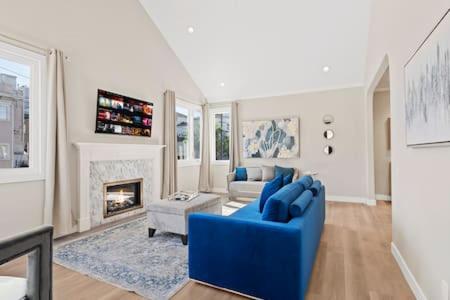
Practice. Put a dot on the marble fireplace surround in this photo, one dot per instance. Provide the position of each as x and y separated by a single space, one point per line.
99 163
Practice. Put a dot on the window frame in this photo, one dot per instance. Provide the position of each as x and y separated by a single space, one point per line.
8 111
37 61
191 108
212 120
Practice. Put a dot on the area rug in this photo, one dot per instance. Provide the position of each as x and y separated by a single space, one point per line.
124 256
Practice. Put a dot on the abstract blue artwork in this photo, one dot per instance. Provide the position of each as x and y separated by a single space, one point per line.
271 138
427 78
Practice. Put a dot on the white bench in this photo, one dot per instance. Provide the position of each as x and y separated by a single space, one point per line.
172 216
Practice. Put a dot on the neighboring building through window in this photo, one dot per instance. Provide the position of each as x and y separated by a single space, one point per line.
221 135
14 120
188 127
22 105
197 133
182 120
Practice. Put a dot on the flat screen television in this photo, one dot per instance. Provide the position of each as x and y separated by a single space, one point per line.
117 114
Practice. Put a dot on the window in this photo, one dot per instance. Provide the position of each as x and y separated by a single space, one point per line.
188 123
4 152
182 132
220 119
197 134
22 122
5 114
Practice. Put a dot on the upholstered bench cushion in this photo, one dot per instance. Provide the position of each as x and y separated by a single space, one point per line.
13 287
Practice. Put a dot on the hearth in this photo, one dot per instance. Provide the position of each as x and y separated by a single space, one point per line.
122 196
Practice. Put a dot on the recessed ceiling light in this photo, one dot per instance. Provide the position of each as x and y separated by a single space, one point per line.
190 29
222 84
326 69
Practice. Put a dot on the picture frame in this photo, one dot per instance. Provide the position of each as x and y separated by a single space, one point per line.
427 89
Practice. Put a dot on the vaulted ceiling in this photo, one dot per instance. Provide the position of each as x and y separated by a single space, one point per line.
237 49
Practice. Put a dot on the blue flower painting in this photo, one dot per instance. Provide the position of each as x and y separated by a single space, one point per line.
271 139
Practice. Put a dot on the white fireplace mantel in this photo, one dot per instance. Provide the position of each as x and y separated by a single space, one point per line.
91 152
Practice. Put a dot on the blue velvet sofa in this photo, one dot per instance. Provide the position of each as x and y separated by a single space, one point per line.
263 259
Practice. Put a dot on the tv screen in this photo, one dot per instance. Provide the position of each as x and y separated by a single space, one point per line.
117 114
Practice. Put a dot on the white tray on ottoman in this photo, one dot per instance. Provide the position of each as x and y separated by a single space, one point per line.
172 216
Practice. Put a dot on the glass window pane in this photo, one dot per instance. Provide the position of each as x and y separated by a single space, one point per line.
182 116
197 134
14 114
222 125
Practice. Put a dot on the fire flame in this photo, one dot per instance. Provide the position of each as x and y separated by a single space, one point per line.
121 197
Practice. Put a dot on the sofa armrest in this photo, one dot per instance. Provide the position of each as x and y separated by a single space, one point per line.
257 258
230 178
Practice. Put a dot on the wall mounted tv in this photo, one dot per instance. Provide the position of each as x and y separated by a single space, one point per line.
117 114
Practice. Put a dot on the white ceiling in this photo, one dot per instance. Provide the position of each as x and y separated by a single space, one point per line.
266 47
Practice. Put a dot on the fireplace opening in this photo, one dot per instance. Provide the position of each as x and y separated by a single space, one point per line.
122 196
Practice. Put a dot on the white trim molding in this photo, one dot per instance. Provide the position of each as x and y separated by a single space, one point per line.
409 276
383 197
37 114
348 199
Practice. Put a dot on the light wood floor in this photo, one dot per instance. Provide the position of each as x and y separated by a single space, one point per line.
353 262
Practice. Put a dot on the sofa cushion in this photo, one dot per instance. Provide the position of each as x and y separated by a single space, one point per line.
269 189
315 187
300 204
277 207
240 174
287 179
251 189
254 174
306 181
284 171
268 173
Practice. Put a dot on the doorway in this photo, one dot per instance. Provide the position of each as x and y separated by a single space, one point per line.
381 114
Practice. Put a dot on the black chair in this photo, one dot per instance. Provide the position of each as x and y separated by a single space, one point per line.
38 245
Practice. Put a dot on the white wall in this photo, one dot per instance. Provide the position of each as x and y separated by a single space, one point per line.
113 45
188 178
382 153
420 178
344 172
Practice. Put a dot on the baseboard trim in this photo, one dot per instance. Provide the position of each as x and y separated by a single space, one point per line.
413 284
224 289
348 199
383 197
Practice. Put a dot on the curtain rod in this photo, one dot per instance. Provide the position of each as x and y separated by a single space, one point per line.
21 43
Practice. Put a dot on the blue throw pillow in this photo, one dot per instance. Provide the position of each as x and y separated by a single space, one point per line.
283 171
277 207
269 189
287 179
240 174
306 181
315 187
299 206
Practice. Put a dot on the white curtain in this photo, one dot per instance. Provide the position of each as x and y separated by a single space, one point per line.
58 196
169 182
205 180
234 137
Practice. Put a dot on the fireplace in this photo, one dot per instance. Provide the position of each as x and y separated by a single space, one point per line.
122 196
